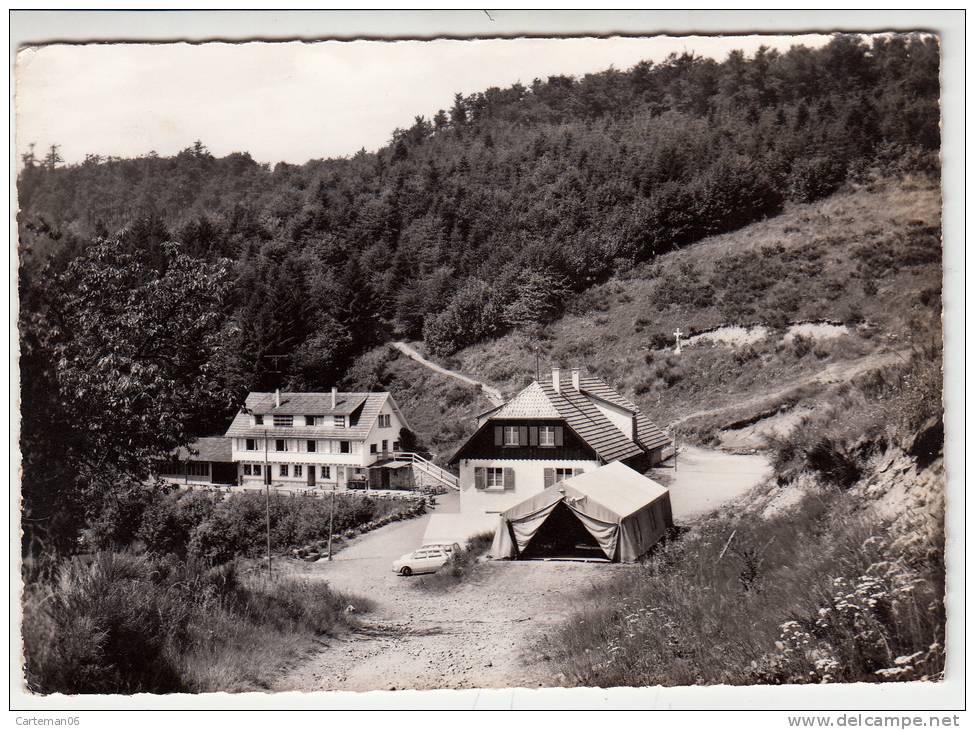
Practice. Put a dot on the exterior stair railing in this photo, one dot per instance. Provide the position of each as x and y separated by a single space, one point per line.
427 467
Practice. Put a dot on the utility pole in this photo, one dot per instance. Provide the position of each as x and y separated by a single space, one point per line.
676 449
267 507
331 520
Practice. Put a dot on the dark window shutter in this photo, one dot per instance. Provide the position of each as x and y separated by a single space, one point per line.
523 436
549 478
478 477
577 472
533 435
509 478
558 435
498 436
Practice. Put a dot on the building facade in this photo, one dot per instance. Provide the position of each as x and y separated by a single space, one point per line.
205 461
314 439
549 432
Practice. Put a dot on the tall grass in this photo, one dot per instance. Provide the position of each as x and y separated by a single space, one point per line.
121 623
826 592
884 407
821 594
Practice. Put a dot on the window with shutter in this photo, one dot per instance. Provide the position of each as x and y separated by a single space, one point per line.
509 479
549 478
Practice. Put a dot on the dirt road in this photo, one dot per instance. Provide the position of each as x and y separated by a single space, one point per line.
472 636
491 631
705 479
840 372
492 394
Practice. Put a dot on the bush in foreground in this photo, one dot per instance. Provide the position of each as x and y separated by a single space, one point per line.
120 623
822 594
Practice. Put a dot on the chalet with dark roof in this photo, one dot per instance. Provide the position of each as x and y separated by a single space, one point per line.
548 432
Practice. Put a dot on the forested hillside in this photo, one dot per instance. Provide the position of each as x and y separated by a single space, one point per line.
492 213
492 216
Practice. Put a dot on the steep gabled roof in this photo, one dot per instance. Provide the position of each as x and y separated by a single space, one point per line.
531 402
649 435
589 423
305 404
365 406
579 410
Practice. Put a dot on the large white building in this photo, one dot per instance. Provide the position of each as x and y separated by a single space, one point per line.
314 439
549 432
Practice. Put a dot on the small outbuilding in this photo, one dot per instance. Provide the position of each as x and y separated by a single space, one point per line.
611 513
205 461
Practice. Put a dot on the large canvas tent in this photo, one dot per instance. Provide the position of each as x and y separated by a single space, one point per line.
612 512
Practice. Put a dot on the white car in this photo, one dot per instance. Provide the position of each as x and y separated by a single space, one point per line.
451 548
424 560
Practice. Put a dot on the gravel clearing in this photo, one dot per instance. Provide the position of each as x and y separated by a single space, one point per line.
472 636
491 631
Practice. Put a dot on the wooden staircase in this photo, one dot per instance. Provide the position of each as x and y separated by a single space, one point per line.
427 467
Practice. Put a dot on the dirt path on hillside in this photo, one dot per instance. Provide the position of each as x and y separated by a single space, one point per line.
836 373
492 630
492 394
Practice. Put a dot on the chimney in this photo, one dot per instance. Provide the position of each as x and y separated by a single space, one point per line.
277 397
335 393
557 380
575 378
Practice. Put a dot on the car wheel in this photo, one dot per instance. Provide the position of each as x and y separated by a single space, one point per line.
405 571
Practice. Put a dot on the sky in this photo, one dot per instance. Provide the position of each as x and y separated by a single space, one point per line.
294 101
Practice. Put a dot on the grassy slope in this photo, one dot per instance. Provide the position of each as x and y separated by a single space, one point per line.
868 256
440 410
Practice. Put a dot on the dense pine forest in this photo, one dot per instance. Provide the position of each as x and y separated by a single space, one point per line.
156 291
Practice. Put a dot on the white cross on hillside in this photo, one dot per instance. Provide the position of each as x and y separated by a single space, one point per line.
677 335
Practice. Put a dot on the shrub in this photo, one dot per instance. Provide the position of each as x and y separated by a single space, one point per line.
833 463
205 527
103 627
118 623
168 523
459 395
473 314
821 593
801 345
815 178
461 565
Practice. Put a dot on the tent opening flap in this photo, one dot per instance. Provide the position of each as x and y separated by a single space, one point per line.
564 535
